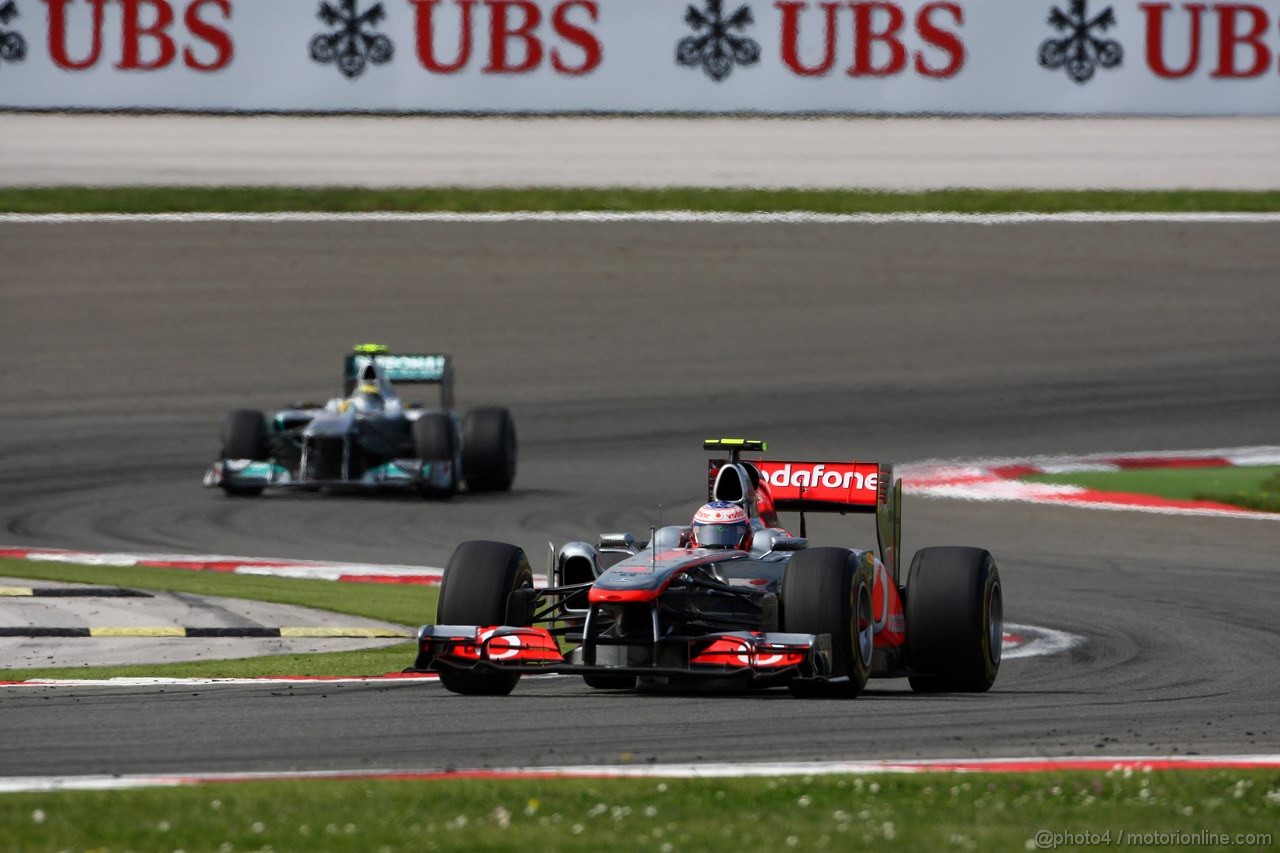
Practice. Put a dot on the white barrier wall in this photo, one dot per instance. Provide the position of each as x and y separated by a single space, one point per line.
774 56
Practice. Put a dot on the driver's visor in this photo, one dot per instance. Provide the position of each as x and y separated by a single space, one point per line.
719 535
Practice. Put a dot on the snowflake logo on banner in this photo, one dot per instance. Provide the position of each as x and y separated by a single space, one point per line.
1081 51
715 47
353 43
13 47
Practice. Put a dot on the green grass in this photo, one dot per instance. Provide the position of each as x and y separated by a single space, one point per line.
409 605
404 604
1253 487
929 812
352 199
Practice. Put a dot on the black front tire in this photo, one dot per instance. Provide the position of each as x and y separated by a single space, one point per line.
435 439
955 620
828 591
244 436
477 584
489 450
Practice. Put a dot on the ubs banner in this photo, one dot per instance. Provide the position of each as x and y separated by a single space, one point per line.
773 56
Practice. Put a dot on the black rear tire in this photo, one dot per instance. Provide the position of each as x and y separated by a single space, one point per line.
955 620
489 450
828 591
244 436
477 584
436 440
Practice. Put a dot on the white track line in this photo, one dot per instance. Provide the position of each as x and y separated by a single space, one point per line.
674 216
283 568
42 784
308 570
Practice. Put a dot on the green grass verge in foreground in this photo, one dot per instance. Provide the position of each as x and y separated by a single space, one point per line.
409 605
464 200
1252 487
928 812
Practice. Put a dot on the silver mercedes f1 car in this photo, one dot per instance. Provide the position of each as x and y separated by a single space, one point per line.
732 599
369 438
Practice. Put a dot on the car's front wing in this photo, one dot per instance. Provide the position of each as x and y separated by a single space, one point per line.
760 656
398 473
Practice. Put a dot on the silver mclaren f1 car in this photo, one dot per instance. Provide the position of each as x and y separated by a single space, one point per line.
732 599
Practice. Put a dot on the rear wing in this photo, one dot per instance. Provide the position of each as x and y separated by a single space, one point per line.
840 487
402 368
822 486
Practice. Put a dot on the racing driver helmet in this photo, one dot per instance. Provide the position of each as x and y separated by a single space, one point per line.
721 524
367 400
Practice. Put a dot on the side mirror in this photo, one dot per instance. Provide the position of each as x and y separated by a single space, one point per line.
618 540
575 563
790 543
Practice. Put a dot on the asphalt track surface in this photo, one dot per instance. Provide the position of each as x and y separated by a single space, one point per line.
619 347
420 151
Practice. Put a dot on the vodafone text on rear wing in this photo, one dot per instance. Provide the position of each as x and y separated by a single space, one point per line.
843 487
821 486
835 487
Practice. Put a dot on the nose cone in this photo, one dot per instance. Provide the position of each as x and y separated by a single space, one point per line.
330 425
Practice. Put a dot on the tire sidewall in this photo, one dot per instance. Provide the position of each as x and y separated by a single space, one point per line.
992 606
